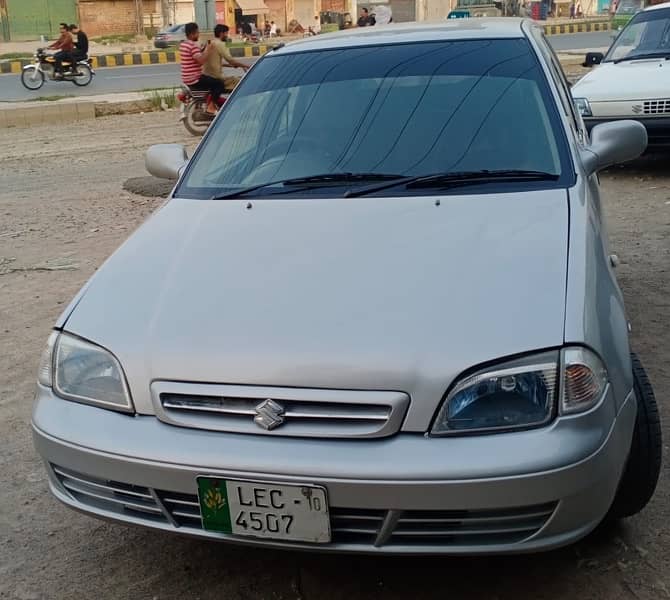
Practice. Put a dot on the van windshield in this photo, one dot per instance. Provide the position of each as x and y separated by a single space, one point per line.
401 110
646 35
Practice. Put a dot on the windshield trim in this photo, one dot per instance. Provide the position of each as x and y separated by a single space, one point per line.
567 177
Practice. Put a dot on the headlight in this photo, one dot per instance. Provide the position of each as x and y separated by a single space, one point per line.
80 371
583 106
524 393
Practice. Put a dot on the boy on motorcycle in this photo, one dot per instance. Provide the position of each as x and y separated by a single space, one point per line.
192 59
222 56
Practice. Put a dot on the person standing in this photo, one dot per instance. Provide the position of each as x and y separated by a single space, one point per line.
572 10
192 59
316 28
364 19
222 56
273 29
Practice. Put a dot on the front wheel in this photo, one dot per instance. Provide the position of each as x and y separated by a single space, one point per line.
84 75
644 461
32 78
196 119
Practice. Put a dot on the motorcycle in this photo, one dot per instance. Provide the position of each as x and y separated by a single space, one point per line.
33 75
193 109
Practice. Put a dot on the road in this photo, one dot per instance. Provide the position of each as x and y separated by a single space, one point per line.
52 220
581 41
106 81
130 79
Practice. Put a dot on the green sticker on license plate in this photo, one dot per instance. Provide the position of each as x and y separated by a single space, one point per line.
283 511
214 506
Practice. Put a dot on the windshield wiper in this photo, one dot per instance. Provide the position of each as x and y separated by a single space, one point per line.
440 180
322 179
665 55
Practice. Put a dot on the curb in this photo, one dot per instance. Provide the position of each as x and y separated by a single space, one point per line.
39 115
159 57
583 27
28 114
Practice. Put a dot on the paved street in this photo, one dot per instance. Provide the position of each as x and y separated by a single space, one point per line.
581 41
56 229
130 79
106 81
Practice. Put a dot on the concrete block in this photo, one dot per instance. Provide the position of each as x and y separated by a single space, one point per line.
85 110
68 112
50 114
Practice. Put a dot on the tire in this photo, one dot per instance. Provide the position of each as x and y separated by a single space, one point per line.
32 78
643 467
193 121
85 77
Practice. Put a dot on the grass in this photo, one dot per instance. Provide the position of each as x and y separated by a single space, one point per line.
162 99
50 98
15 55
114 39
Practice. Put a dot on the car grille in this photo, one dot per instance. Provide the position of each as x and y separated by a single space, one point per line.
295 412
353 527
656 107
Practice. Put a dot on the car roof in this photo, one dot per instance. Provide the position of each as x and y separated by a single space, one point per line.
399 33
657 6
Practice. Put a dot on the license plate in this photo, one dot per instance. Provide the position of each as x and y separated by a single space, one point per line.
296 513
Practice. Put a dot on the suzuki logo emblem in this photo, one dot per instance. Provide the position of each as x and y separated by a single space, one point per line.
269 414
637 108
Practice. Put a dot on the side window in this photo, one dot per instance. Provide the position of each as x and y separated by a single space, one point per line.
561 82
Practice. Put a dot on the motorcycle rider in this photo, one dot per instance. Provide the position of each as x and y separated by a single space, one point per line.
192 59
221 56
80 43
64 44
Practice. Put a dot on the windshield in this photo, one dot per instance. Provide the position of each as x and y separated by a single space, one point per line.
647 33
396 110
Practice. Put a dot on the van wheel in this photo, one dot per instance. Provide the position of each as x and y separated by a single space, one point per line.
640 476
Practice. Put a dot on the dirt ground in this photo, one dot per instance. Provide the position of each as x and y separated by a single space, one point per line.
61 216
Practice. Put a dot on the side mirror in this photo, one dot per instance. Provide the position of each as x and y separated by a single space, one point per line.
166 160
613 143
593 58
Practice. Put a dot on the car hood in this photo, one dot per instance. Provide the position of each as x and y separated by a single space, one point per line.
630 80
396 294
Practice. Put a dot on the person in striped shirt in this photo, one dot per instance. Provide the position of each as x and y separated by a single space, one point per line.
192 59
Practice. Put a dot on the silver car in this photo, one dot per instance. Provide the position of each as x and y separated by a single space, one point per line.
377 314
171 36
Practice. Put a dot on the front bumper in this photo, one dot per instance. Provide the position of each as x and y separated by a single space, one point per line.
658 128
514 492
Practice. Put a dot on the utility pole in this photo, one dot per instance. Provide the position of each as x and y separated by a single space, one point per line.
139 15
165 12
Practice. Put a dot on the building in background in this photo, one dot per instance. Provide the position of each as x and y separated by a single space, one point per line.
30 19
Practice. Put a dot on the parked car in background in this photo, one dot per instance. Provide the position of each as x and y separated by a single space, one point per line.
398 332
632 81
171 36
